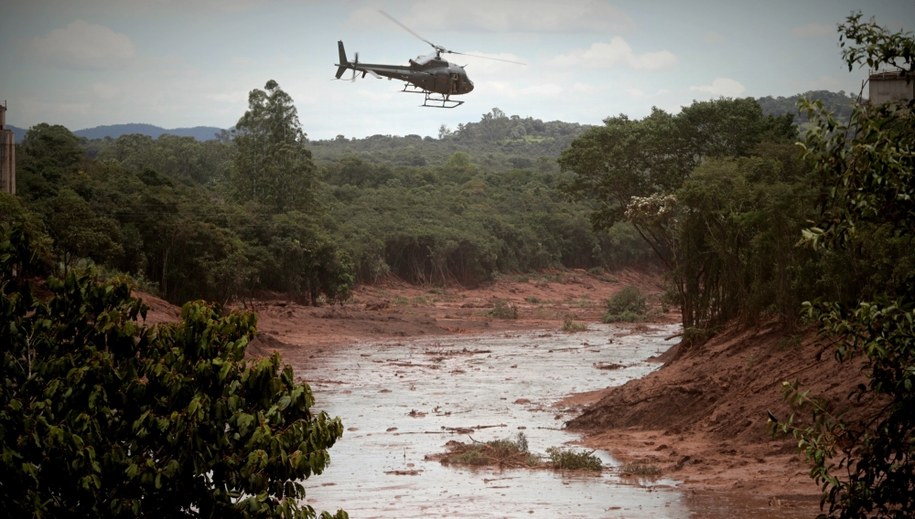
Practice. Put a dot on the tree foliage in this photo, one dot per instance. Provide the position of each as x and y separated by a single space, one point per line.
272 165
712 190
865 461
101 416
162 209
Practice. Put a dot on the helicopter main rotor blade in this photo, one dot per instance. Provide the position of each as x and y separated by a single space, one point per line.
485 57
411 31
440 49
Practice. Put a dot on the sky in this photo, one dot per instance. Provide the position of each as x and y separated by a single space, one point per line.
183 63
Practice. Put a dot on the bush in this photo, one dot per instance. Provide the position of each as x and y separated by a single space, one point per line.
504 310
627 305
569 325
563 459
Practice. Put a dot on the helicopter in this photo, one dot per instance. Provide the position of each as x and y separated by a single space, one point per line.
430 75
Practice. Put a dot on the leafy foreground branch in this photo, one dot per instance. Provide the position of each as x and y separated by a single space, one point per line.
101 416
864 459
507 453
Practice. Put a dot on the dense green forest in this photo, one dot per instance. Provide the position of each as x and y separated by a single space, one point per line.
484 199
264 209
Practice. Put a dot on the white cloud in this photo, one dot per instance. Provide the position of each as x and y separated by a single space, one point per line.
722 87
504 16
713 38
106 91
543 90
617 52
813 30
84 45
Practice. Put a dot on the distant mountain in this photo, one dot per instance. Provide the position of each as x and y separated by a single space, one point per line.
18 133
839 104
201 133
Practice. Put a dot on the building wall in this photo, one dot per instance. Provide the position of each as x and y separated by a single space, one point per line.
890 86
7 156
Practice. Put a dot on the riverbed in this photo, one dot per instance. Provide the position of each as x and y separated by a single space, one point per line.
402 401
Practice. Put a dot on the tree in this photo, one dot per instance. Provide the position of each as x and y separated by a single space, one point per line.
865 460
77 231
632 170
272 165
101 416
48 155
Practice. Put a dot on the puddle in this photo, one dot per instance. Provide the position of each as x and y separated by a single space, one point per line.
401 401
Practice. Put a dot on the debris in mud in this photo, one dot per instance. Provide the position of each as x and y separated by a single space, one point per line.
608 365
468 430
508 453
411 472
495 453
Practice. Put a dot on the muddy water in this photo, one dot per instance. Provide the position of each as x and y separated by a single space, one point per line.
401 401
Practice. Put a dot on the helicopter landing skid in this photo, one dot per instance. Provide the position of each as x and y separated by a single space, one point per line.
433 100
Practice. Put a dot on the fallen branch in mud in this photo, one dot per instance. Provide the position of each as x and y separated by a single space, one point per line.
468 430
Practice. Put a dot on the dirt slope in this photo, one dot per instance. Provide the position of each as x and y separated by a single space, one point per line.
702 417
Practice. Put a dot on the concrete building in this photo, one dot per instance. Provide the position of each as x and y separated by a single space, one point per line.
890 86
7 155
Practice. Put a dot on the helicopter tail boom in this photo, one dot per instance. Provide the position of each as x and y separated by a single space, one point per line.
344 63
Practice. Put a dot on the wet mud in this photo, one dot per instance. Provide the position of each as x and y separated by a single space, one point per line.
401 402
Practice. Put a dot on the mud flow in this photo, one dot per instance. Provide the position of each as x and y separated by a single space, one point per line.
403 401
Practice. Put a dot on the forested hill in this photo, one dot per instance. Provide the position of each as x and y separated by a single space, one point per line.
495 131
839 104
201 133
113 131
497 141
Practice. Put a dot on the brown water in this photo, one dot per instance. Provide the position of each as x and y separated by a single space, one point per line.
402 401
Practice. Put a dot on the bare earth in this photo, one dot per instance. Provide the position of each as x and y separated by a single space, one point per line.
701 418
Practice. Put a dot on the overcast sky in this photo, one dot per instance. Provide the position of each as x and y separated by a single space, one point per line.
181 63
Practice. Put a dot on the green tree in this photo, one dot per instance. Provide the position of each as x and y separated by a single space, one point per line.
48 155
78 232
101 416
633 170
865 460
272 165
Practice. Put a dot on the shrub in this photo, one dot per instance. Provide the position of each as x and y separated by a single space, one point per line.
504 310
563 459
627 305
569 325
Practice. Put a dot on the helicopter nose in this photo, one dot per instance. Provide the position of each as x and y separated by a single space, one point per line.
469 85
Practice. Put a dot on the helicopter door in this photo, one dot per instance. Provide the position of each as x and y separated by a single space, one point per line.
455 83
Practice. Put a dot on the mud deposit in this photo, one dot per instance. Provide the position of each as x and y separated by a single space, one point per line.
403 401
